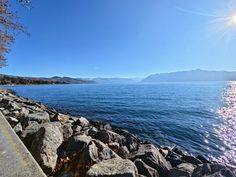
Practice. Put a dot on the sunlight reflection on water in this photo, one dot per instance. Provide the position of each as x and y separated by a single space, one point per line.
227 130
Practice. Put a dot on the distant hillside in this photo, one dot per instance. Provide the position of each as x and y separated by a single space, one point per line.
68 80
116 80
193 75
16 80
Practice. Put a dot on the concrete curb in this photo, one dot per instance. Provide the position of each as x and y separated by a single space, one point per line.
15 159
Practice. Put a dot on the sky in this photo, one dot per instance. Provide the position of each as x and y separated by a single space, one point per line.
122 38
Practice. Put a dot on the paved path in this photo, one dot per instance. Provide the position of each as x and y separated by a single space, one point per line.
15 159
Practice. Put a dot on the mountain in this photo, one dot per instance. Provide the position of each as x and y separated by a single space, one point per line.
69 80
192 75
116 80
18 80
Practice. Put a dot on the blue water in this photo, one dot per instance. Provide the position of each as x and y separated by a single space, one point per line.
190 115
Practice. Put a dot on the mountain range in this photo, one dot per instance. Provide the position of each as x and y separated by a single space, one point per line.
181 76
18 80
192 75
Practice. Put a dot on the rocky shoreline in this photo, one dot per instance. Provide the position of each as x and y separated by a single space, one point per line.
67 146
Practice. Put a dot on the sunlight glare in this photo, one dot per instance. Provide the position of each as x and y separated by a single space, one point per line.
233 19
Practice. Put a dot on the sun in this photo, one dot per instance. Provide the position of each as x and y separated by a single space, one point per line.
233 19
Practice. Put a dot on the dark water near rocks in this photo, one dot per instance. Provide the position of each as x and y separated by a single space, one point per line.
199 116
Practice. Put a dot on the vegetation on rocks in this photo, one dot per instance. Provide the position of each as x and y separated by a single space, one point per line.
67 146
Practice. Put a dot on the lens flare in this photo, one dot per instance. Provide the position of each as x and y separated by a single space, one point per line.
233 20
222 23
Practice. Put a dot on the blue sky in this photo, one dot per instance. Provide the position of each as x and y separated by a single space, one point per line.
122 38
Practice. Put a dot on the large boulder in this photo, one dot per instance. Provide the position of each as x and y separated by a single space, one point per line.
191 159
96 151
212 170
12 106
89 155
150 155
62 118
203 159
18 128
91 131
144 169
178 173
12 121
28 134
40 117
67 130
107 136
104 152
131 141
45 145
123 152
24 112
174 159
182 170
76 129
82 122
113 168
75 144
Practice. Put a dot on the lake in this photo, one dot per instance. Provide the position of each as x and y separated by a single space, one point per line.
199 117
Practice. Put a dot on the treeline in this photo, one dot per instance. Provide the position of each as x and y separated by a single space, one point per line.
7 80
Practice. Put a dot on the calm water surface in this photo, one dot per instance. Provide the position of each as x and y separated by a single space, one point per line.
199 116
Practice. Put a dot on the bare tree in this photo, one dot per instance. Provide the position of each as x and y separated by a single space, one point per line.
9 26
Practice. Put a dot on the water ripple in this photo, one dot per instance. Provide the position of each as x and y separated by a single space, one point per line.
226 131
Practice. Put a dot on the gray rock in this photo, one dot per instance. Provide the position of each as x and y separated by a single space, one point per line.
12 121
75 144
182 170
106 127
15 113
123 152
114 146
45 145
144 169
58 124
67 174
5 112
113 168
104 152
178 151
18 128
188 167
107 136
191 159
203 159
212 170
24 112
67 130
131 141
62 118
13 106
150 155
89 155
174 159
76 129
91 131
28 134
40 117
82 122
96 151
174 172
